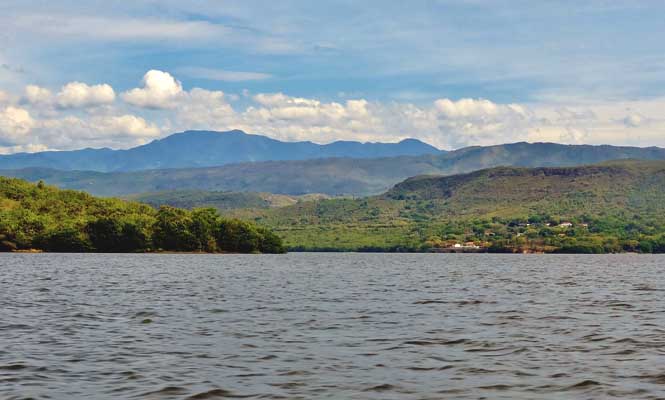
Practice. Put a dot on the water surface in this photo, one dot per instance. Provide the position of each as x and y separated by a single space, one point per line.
318 326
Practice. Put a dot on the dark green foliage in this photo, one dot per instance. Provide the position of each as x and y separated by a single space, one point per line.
6 244
66 240
269 242
173 230
106 234
35 216
242 237
204 226
119 235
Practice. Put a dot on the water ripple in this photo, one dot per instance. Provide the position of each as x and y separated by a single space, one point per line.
308 326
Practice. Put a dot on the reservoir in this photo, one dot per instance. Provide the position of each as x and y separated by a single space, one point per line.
332 326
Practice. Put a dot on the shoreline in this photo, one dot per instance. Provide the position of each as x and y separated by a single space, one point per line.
37 251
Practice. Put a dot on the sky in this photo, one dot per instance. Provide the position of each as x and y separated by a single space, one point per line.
117 74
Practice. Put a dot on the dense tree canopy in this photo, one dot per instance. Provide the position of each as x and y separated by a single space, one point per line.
36 216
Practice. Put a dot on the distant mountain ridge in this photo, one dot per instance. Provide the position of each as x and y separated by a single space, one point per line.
334 176
191 149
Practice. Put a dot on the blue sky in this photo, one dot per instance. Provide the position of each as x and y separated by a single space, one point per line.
453 73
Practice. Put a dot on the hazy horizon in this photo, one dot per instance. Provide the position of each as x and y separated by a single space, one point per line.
395 141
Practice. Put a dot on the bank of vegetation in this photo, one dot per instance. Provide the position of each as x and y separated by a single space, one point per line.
40 217
606 208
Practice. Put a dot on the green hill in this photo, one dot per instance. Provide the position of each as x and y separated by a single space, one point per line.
611 207
35 216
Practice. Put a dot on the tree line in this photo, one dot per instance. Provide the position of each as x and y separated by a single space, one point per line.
36 216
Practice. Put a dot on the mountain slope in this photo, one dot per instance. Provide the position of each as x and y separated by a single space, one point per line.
207 148
614 206
221 201
333 176
524 154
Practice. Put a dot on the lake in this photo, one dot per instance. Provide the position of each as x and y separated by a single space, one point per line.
332 326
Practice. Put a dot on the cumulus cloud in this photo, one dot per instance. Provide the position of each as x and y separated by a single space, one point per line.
35 94
465 108
446 123
205 109
296 118
162 106
15 124
125 125
480 121
71 95
78 94
71 132
160 90
20 130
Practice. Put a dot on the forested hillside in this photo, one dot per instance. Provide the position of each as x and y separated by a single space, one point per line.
36 216
612 207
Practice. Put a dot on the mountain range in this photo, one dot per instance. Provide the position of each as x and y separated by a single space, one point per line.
207 148
331 176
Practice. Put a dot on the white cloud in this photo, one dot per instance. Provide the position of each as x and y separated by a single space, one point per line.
160 90
480 121
71 95
125 125
35 94
465 108
445 123
205 109
24 148
77 94
15 125
71 132
223 75
308 119
36 125
280 99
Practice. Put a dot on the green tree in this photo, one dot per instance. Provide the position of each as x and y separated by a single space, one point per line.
65 240
172 230
204 225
